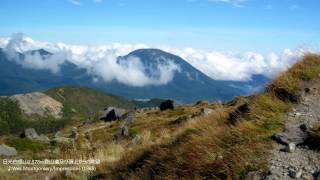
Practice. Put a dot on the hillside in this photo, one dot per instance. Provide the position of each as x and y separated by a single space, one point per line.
86 102
233 140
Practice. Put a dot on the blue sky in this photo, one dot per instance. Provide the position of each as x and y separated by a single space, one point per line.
228 25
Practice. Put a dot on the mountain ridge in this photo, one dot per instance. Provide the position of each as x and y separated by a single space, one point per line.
186 80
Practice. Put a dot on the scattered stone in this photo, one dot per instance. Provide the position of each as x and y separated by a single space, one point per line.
290 147
88 136
43 138
74 133
292 173
298 173
297 114
30 133
125 131
58 134
136 139
206 111
252 176
291 134
307 177
238 112
7 150
61 140
303 127
168 104
129 118
67 174
56 151
112 113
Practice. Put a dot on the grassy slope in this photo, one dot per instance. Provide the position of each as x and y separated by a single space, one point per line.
210 148
169 147
85 101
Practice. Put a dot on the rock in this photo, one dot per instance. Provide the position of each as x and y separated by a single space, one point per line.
317 176
30 133
295 174
67 174
74 133
61 140
112 113
168 104
129 118
290 147
56 151
58 134
298 173
307 177
7 150
291 134
43 138
136 139
297 114
125 131
242 109
303 127
206 111
88 136
252 176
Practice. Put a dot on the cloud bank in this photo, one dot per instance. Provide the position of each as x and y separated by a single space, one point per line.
101 61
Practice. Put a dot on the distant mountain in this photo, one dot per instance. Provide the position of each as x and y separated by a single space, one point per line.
187 85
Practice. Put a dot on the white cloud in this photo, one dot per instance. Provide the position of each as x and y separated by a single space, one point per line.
238 66
75 2
236 3
101 61
80 2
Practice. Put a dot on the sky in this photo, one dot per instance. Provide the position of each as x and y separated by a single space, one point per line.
223 25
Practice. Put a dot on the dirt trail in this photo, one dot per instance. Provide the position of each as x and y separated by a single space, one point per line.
301 163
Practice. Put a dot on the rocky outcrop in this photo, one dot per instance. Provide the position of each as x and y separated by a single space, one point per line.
60 139
38 103
111 114
7 150
168 104
31 134
238 112
206 111
124 127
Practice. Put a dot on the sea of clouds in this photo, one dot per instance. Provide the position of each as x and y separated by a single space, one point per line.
101 61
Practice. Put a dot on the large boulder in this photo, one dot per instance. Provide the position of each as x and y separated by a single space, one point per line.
112 113
167 104
291 135
7 151
123 128
30 133
43 138
206 111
